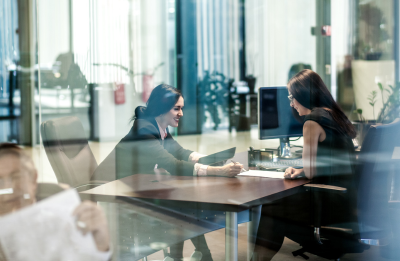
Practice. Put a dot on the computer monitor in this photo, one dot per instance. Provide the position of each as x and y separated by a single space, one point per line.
276 118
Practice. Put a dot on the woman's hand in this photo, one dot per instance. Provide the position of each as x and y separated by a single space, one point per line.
292 173
91 218
195 156
230 170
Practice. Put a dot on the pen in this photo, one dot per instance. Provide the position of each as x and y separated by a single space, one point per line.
242 170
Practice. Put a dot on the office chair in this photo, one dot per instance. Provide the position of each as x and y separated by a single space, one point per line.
106 171
69 153
45 190
372 224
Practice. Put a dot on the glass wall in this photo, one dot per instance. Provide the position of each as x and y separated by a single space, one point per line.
86 88
272 30
107 50
9 56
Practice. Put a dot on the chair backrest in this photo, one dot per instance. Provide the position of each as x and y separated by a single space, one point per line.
106 171
45 190
377 160
68 150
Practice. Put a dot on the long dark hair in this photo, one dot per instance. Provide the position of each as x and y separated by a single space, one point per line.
311 92
162 99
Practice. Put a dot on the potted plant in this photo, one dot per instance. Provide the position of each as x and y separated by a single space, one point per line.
388 113
373 58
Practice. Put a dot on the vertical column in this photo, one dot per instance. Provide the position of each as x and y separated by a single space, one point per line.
242 40
252 227
396 37
71 26
231 237
186 61
323 43
26 73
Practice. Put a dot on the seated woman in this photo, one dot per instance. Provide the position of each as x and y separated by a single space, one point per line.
149 146
328 156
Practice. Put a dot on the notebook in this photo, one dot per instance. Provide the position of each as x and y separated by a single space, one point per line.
218 157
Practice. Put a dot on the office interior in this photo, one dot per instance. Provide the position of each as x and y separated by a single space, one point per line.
97 60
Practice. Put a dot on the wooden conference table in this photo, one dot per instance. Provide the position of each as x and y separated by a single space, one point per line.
230 195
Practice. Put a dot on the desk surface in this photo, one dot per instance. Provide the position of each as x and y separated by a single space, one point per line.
198 193
215 193
228 193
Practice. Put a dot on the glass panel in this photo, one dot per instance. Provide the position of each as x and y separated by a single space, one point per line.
9 56
231 124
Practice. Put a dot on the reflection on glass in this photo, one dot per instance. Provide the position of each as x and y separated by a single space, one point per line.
74 72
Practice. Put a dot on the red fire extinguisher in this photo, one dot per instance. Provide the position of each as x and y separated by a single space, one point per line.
148 85
119 93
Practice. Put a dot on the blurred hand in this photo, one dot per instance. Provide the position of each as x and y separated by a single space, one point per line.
292 173
230 170
64 185
91 218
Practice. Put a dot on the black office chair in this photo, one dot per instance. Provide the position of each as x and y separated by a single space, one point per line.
372 223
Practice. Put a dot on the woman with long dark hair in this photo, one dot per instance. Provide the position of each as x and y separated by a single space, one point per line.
149 146
328 156
326 129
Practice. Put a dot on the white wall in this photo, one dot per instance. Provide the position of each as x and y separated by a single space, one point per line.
341 32
154 49
278 35
53 30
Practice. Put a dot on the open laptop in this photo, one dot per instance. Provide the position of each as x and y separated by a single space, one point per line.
218 158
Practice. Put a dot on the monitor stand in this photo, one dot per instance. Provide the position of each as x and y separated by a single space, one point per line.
284 152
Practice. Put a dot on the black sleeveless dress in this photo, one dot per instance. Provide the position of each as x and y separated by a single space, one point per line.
335 154
335 166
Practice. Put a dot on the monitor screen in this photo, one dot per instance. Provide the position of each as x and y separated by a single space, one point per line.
275 117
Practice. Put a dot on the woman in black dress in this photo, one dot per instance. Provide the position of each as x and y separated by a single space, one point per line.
328 156
149 147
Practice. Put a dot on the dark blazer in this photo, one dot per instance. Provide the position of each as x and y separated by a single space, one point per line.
142 148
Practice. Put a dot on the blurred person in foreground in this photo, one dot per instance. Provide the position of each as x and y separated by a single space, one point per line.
19 189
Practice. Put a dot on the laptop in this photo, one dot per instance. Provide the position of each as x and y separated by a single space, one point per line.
217 159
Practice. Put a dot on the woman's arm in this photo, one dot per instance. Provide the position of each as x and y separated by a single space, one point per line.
312 133
141 150
176 149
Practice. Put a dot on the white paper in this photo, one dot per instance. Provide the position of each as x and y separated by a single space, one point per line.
263 174
46 231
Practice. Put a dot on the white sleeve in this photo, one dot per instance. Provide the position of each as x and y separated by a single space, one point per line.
104 256
200 170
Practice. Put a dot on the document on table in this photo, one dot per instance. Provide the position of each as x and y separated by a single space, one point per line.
46 231
263 174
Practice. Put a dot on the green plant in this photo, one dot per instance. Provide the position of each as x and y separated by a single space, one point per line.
372 101
390 109
359 114
381 89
